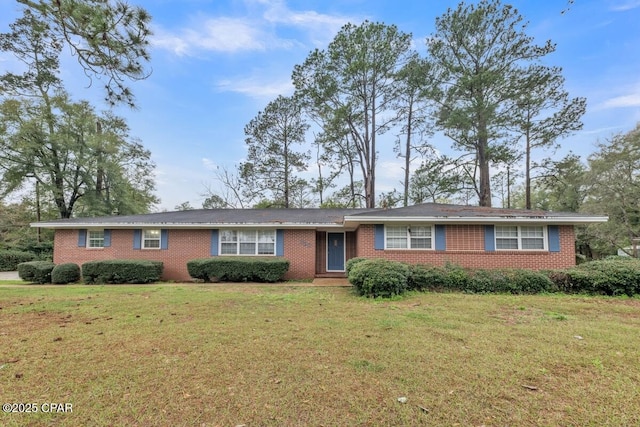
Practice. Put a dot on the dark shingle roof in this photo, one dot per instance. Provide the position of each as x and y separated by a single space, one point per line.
315 217
204 217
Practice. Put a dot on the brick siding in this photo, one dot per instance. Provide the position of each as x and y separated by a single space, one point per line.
465 247
183 245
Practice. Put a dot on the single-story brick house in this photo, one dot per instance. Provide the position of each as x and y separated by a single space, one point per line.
318 242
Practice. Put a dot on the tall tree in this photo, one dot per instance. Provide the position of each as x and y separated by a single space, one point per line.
350 86
271 160
478 52
414 90
543 113
109 38
85 172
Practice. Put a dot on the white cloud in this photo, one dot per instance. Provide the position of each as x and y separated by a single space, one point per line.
253 32
623 101
257 87
627 5
215 35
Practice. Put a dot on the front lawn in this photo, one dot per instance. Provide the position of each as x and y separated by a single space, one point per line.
200 355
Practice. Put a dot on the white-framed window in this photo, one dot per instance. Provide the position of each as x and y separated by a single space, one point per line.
521 237
95 238
151 239
408 237
247 242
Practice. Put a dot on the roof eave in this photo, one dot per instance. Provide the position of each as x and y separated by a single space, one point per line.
115 226
568 220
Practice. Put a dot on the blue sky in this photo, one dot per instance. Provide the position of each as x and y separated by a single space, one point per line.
217 63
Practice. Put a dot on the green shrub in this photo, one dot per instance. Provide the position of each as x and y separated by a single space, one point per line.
238 269
9 259
351 262
379 277
36 271
65 273
515 281
426 278
122 271
612 276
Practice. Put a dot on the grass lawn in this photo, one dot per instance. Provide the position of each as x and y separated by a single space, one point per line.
198 355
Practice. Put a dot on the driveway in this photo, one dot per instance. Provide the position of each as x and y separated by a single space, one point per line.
9 275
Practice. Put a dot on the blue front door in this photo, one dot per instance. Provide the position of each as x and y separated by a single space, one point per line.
335 251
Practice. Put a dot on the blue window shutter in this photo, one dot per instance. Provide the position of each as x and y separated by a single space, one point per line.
164 239
279 242
489 238
137 239
554 238
107 238
214 243
378 239
441 237
82 238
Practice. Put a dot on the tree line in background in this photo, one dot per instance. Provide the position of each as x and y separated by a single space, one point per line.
482 84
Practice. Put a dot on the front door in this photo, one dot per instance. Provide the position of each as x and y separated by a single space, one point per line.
335 251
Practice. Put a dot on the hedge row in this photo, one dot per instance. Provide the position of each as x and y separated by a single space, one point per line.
36 271
10 259
107 271
383 278
117 271
612 276
238 269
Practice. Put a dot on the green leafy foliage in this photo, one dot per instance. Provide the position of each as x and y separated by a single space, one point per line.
379 277
455 278
612 276
10 259
36 271
238 269
351 262
122 271
65 273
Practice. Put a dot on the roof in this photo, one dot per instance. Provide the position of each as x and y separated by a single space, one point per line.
445 213
199 218
324 218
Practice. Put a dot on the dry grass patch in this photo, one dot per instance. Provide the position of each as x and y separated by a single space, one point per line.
283 356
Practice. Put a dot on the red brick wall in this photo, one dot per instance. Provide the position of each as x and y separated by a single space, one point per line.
465 247
300 250
184 245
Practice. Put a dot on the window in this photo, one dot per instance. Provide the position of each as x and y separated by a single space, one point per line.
151 239
247 242
521 237
408 237
95 238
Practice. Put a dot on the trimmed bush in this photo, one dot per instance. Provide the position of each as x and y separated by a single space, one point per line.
455 278
427 278
379 277
238 269
65 273
612 276
10 259
122 271
36 271
351 262
514 281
